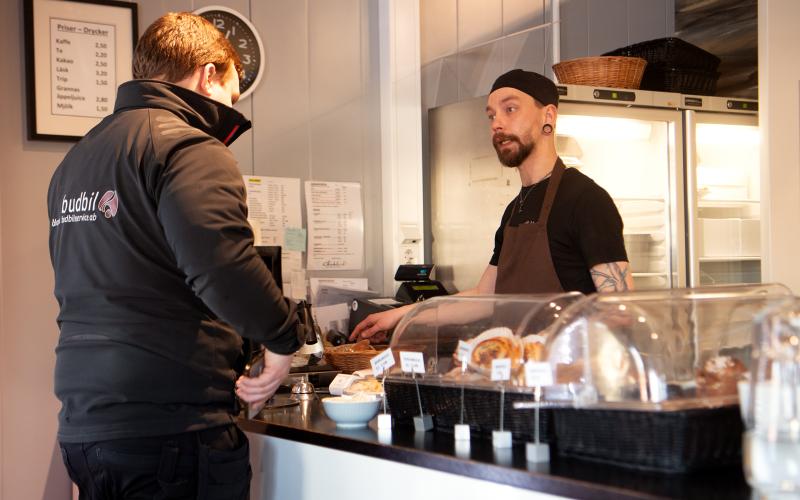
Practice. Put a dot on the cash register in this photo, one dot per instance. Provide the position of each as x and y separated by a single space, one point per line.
415 285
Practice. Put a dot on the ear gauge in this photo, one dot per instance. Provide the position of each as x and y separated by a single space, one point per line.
547 129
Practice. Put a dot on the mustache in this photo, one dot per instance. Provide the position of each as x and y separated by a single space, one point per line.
500 137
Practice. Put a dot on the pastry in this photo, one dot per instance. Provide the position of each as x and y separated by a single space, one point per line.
495 348
533 348
719 375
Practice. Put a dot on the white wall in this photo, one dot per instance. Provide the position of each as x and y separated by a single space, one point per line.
779 119
30 462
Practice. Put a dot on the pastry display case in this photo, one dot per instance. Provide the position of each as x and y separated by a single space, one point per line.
640 379
459 337
649 379
658 350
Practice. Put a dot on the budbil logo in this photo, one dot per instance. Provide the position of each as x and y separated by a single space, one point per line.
108 204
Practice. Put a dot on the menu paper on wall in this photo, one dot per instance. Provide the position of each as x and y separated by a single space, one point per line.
79 53
335 226
273 206
84 68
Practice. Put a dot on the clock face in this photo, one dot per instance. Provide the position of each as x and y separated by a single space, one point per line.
244 38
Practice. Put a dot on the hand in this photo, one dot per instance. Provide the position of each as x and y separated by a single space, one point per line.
377 326
259 389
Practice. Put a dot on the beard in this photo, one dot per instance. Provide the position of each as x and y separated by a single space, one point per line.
511 157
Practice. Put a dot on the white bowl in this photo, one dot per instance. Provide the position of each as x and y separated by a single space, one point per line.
351 413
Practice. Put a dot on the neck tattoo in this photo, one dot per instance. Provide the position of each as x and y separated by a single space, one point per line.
524 197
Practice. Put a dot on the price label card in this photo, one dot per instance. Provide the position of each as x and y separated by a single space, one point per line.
464 351
412 362
340 383
538 374
382 362
501 369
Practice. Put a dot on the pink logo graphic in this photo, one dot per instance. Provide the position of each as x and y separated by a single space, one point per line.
108 204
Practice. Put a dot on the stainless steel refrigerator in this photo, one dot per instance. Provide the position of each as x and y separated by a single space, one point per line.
683 171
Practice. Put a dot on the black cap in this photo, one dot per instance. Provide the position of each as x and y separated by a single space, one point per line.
535 85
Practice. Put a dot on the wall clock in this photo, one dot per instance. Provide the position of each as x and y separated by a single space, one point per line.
244 38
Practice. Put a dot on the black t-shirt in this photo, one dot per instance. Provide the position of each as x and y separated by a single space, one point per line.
584 229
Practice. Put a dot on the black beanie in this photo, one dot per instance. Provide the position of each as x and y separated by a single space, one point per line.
535 85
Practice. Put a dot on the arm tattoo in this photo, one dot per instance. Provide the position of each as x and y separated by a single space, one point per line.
610 277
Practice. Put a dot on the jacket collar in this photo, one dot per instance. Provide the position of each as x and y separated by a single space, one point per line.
214 118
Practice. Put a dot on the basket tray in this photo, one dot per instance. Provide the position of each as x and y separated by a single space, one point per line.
683 80
670 441
672 52
481 410
349 362
607 71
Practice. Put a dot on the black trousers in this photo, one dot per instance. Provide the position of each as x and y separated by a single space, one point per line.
211 464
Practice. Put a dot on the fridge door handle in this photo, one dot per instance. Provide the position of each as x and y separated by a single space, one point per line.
690 155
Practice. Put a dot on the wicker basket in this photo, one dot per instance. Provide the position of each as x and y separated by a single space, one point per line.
683 80
350 361
605 71
481 410
664 441
672 52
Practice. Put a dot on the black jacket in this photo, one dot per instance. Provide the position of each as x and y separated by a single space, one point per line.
155 271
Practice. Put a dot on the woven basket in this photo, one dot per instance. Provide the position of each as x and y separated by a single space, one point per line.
671 52
605 71
481 410
350 361
669 441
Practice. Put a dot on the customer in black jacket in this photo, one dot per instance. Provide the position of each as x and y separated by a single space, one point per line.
158 281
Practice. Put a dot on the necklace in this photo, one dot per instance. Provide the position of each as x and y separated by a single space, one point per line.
524 197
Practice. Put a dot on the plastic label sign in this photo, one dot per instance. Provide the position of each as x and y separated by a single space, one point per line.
464 351
501 369
412 362
340 383
382 362
538 374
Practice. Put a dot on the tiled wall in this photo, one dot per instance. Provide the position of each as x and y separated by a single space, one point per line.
466 44
316 112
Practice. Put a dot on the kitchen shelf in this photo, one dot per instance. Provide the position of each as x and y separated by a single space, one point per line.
621 198
725 203
730 258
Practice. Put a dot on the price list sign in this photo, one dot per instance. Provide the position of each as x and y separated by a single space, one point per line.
83 68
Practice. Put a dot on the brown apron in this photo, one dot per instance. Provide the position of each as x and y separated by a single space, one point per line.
525 264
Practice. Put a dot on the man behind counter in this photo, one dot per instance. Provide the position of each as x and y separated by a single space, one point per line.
562 232
156 277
